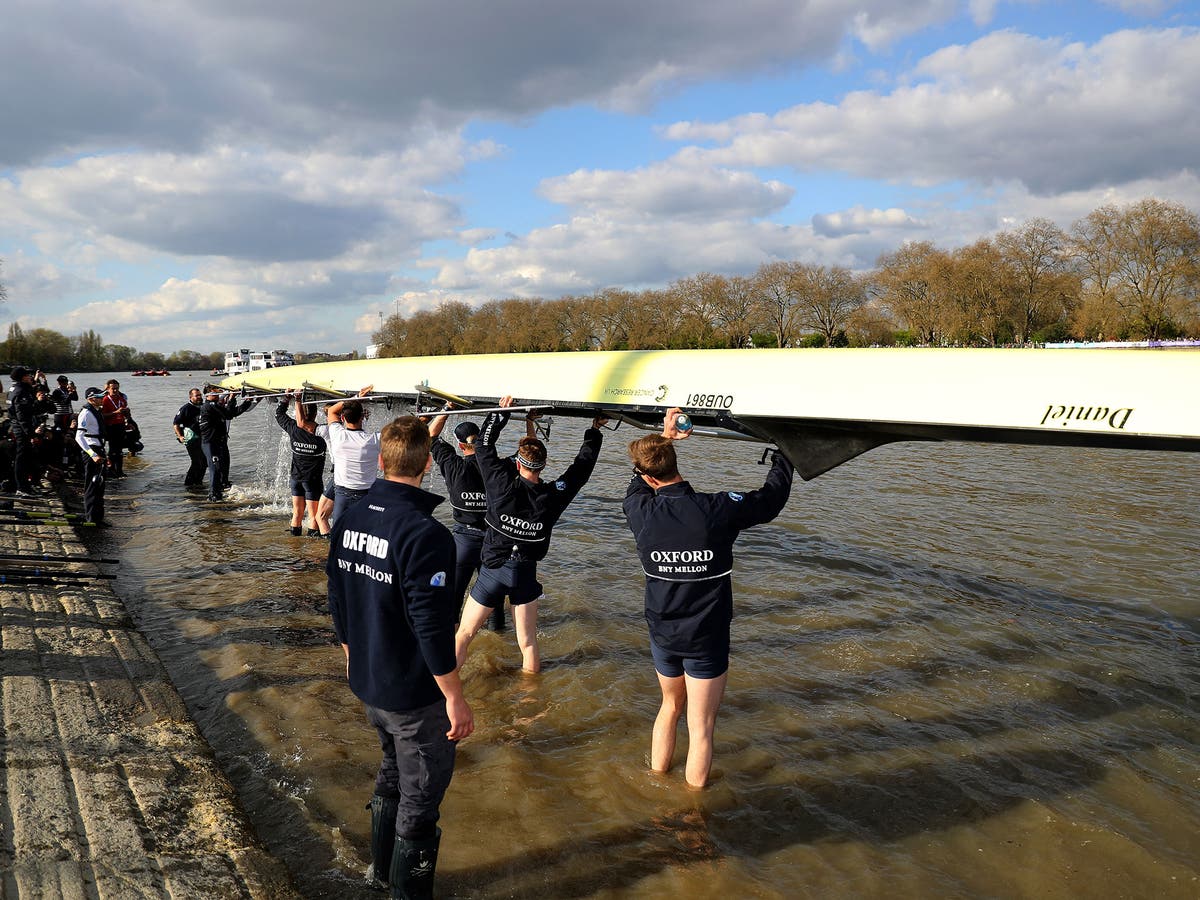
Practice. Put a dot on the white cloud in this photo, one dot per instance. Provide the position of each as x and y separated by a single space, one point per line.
1055 116
669 191
858 220
31 282
879 25
1142 7
179 77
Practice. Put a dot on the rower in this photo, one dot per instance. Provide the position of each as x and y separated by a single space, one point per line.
521 513
468 503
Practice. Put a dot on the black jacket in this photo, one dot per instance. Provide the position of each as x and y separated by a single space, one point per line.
189 417
391 595
464 483
308 450
521 514
22 403
685 543
214 417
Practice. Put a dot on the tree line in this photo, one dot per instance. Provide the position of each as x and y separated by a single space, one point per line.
54 352
1119 273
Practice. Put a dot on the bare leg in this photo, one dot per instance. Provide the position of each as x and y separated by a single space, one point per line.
703 700
297 512
662 740
474 614
325 514
525 621
311 506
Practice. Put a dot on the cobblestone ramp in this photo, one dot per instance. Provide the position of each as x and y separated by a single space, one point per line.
107 789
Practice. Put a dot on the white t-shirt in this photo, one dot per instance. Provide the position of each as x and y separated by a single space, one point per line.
355 456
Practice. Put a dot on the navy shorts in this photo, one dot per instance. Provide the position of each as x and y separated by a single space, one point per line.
674 665
516 579
309 488
330 488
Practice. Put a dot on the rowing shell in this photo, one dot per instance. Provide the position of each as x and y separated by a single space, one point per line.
822 407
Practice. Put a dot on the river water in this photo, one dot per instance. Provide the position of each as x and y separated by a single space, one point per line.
958 671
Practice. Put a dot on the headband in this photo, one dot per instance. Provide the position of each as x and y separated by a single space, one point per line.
535 466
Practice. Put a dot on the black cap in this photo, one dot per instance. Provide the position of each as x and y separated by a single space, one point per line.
466 432
63 379
19 372
92 392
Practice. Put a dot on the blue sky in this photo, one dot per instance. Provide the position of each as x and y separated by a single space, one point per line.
209 173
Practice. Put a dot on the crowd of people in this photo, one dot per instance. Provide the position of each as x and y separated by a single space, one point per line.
44 440
404 607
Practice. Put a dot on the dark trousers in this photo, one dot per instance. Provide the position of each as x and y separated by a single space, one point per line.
23 462
418 762
195 472
468 549
93 489
216 455
114 437
343 499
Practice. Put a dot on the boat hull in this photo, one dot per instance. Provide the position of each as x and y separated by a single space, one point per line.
838 400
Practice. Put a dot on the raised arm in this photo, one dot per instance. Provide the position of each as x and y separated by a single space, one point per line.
334 413
495 473
763 505
581 468
438 424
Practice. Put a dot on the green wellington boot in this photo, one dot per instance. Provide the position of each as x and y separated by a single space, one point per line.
383 838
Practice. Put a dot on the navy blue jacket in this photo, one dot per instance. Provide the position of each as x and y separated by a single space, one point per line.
189 416
463 482
22 403
521 514
308 450
685 543
391 595
214 416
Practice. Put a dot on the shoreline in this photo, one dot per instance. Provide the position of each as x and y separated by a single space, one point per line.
107 787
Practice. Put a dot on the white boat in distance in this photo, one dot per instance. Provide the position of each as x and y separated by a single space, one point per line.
240 362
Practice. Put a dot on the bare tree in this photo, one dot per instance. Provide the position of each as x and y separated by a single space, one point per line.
738 315
574 323
1146 258
825 298
908 283
612 309
977 303
1043 288
700 299
775 285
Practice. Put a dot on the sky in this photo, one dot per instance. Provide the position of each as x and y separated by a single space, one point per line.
212 174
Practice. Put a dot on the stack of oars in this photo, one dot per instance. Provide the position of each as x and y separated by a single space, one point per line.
49 569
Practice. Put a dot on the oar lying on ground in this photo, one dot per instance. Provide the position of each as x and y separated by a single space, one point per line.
55 557
51 573
53 522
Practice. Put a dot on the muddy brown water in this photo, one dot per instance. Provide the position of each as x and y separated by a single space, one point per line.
958 670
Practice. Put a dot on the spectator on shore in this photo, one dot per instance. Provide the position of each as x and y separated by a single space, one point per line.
114 408
21 405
